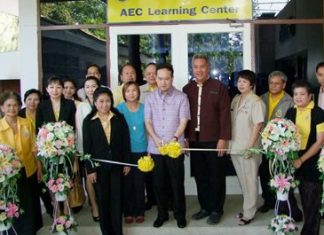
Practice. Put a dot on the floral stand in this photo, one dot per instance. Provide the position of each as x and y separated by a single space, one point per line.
60 197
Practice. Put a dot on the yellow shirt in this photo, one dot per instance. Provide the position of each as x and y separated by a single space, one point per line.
118 95
303 122
23 142
105 122
273 103
32 119
57 114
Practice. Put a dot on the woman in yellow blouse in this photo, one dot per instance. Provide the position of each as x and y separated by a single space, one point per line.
17 133
32 98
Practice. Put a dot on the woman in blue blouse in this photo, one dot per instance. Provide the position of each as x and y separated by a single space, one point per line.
133 111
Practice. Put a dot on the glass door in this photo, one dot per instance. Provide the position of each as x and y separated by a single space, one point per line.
227 46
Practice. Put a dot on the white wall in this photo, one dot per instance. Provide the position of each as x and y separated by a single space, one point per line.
24 63
9 61
28 44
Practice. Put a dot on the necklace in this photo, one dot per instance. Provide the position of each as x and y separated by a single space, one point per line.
133 110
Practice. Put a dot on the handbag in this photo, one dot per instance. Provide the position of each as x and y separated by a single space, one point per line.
77 193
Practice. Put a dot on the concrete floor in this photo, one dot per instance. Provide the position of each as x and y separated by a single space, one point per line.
227 226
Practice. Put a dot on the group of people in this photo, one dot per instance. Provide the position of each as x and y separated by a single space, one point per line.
130 121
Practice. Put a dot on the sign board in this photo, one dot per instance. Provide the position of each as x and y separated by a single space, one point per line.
130 11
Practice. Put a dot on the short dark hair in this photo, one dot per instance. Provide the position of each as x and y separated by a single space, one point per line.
32 91
128 84
279 74
68 79
302 84
167 66
319 65
93 65
200 56
124 66
247 75
10 95
149 64
93 78
54 79
103 90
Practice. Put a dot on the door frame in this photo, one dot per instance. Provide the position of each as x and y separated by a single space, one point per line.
179 44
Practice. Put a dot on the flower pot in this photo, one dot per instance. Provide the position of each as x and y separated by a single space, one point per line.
4 227
282 196
60 197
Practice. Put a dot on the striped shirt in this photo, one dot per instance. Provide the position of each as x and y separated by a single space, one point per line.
165 111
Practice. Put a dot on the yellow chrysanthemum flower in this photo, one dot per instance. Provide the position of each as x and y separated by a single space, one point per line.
145 164
163 149
174 149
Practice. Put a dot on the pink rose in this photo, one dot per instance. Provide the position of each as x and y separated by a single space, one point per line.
12 210
53 188
59 181
68 224
50 182
60 187
60 220
43 133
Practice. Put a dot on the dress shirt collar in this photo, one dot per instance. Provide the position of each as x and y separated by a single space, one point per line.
168 93
204 83
309 106
110 115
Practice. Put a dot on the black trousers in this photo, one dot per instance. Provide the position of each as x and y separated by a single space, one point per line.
109 198
209 172
44 194
268 195
31 220
169 170
149 188
134 195
310 195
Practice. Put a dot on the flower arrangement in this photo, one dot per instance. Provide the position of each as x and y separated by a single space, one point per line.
280 137
283 225
320 166
64 224
59 185
282 183
172 149
8 211
145 164
281 142
56 139
56 145
10 165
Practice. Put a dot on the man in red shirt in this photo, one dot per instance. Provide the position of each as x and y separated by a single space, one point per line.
209 127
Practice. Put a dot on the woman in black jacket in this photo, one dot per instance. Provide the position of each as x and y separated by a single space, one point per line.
309 119
56 108
106 137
